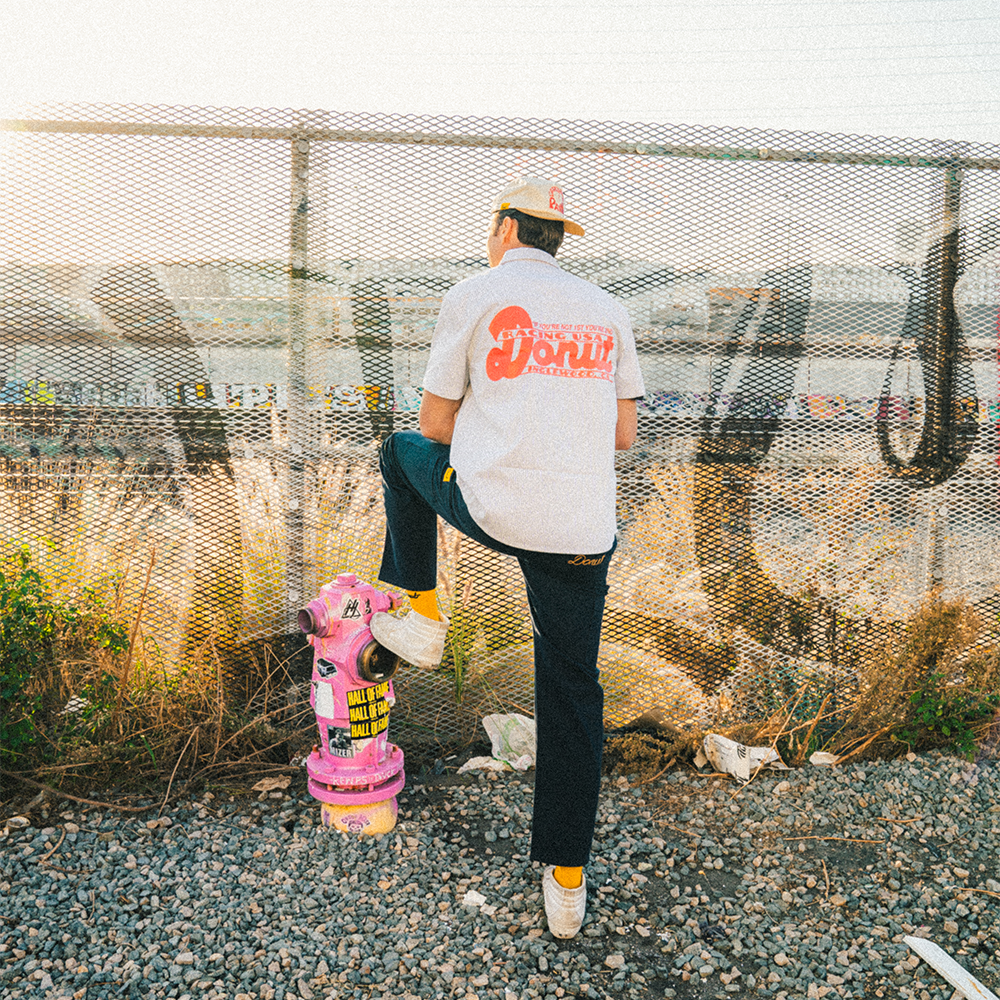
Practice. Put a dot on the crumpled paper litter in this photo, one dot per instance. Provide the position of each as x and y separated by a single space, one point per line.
738 760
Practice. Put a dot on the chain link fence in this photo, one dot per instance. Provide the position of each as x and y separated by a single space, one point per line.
209 317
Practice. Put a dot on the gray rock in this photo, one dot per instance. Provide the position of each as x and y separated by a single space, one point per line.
296 901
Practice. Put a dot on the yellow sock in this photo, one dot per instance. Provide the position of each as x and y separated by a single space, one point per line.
425 603
568 878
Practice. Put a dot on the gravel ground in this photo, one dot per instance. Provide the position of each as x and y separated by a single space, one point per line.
801 884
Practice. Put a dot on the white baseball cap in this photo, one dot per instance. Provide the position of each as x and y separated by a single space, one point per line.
538 198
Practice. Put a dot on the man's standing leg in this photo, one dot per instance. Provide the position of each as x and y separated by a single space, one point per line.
566 595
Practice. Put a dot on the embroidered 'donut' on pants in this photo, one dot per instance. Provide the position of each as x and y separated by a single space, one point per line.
566 593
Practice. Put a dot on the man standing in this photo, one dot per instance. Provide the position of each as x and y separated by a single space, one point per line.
530 388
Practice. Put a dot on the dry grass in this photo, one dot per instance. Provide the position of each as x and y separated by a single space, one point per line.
643 755
939 653
139 731
166 709
138 719
148 725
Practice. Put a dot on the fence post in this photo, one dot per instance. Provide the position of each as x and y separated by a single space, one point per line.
946 348
298 248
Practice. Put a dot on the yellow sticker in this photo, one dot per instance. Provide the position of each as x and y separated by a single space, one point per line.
368 711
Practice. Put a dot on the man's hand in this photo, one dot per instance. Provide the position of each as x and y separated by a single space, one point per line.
627 425
437 417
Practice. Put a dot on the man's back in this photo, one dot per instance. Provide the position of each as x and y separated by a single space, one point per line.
539 358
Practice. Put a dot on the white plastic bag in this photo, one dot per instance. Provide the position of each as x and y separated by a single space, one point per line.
513 740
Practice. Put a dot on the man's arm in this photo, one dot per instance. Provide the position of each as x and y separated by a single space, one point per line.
437 417
626 427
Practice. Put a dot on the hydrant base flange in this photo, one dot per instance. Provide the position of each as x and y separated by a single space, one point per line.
330 782
364 795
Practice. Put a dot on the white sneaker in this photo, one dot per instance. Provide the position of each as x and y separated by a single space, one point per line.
564 908
415 638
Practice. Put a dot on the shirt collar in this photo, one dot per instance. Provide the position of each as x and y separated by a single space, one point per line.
529 253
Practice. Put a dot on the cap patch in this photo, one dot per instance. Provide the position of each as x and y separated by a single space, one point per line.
556 199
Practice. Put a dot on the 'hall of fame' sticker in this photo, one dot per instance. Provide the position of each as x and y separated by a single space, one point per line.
368 711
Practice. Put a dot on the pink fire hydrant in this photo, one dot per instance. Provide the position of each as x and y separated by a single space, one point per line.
354 771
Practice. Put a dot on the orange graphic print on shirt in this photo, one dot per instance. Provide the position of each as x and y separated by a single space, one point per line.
560 349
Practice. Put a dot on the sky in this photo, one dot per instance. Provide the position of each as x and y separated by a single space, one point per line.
917 68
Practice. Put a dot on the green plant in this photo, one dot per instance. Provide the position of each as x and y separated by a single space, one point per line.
27 628
36 630
944 717
458 652
98 696
93 625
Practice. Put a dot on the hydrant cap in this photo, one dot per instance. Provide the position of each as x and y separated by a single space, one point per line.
347 579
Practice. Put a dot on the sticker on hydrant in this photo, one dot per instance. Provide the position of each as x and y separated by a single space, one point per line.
368 710
326 705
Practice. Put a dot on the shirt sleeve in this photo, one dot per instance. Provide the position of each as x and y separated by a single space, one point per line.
447 373
628 377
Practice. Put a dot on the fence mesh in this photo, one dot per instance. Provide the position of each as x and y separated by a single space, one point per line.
209 317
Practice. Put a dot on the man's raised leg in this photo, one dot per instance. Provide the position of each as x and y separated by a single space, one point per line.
411 465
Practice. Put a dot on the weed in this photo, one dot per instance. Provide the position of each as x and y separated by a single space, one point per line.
947 718
85 694
640 754
461 637
933 643
34 628
929 687
27 629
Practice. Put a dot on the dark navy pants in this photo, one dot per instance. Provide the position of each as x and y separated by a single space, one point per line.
566 596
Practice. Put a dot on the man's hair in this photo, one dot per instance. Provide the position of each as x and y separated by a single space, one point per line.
542 234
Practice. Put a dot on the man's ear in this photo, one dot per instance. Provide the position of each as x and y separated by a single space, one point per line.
508 230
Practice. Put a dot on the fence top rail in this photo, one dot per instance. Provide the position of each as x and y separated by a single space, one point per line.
309 133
